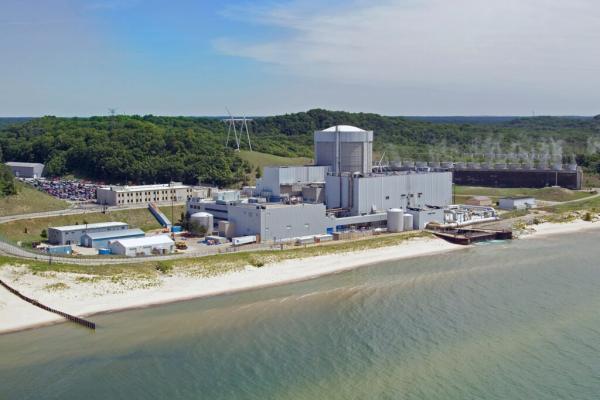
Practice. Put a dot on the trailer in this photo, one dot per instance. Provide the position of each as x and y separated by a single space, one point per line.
242 240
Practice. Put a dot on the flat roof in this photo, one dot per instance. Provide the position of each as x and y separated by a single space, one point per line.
87 226
141 188
145 241
114 234
518 198
23 164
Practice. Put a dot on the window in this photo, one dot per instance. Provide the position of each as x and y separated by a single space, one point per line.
387 197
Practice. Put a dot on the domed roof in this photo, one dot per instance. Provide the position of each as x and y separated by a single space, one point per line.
344 128
200 214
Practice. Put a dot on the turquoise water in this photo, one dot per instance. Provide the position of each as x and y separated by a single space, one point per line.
513 320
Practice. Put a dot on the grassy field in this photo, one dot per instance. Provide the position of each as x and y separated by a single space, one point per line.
220 263
29 230
584 205
548 194
29 200
262 159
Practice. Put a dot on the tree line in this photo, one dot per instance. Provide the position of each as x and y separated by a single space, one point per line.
149 149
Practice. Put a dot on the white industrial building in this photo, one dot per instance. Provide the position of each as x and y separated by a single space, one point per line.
276 221
144 246
516 203
340 192
365 194
143 194
276 181
71 234
26 169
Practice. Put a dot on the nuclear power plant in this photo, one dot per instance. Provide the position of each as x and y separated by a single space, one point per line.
339 193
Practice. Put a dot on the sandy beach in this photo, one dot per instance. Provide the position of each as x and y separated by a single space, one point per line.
79 295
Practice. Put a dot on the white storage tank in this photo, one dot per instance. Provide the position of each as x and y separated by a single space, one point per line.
395 220
408 222
203 219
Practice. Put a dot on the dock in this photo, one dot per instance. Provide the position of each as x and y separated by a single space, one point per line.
466 236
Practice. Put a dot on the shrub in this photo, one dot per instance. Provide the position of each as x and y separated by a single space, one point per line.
257 262
163 267
587 216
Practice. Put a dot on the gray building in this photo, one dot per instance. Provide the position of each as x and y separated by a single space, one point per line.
423 216
516 203
72 234
99 240
273 178
378 193
344 148
276 221
218 209
26 169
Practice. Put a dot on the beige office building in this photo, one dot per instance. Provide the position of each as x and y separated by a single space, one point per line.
128 195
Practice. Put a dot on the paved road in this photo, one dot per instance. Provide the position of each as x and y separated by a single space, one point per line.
74 211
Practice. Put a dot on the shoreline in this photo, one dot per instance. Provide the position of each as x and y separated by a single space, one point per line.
102 297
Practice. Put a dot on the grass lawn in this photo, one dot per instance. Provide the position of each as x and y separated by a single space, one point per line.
29 200
549 194
29 230
589 205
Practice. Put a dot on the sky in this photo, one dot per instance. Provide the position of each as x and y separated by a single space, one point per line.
393 57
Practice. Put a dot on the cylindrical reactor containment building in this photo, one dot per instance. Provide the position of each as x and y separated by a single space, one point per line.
345 149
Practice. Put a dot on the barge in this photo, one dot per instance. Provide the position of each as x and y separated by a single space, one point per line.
467 236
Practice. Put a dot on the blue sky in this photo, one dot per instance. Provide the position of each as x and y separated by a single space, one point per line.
395 57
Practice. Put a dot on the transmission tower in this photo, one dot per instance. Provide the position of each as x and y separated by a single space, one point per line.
238 126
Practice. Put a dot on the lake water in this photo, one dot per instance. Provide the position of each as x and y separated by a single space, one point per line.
516 320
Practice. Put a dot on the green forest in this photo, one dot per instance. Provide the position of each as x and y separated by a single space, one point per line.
149 149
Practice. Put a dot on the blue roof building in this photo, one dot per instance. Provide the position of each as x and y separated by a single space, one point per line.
99 240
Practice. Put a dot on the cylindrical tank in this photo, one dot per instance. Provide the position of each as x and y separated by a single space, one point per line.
203 219
557 166
408 222
421 164
515 165
434 164
408 164
447 164
572 167
486 165
395 220
500 166
459 165
473 165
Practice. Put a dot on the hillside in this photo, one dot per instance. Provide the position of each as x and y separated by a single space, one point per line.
29 200
152 149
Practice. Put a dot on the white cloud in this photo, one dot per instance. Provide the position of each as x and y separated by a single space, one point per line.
433 42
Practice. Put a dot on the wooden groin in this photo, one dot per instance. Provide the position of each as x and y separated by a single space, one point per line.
72 318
